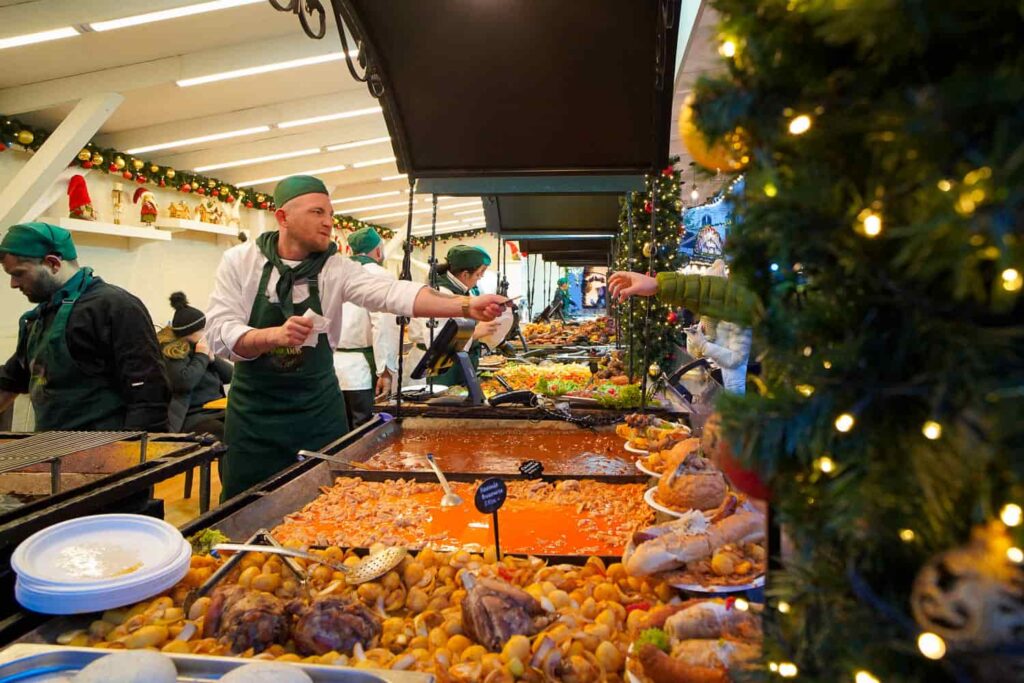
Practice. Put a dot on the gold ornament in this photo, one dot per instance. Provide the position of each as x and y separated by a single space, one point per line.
211 183
84 155
727 154
973 596
154 169
119 162
97 159
137 164
261 198
654 370
169 173
26 137
647 249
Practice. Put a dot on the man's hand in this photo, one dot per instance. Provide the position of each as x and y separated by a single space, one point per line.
485 329
383 388
625 284
486 307
293 333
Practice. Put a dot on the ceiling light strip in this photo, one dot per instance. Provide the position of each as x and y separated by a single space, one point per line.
315 171
388 178
263 69
377 207
393 215
373 162
329 117
360 198
163 15
197 140
40 37
358 143
258 160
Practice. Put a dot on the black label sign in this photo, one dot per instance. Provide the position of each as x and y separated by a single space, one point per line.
531 469
490 495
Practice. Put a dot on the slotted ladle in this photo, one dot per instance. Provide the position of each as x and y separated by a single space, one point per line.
367 569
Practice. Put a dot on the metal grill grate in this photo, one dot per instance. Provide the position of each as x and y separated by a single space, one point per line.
50 446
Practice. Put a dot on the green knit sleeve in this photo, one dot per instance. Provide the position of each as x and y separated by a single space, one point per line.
711 296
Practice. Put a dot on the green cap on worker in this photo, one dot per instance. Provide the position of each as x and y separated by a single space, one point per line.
296 186
37 240
364 240
461 257
563 281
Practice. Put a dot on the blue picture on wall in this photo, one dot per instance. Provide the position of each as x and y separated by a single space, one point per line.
706 228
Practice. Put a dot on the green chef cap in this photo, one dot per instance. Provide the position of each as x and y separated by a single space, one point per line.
36 240
461 257
296 186
364 240
563 281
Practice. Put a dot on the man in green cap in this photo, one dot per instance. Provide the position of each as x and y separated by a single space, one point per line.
462 270
562 303
277 310
367 355
87 354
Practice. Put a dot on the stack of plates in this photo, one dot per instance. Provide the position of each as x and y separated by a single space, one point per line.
98 563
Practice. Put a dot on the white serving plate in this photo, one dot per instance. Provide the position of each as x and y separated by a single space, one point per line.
650 500
698 588
632 449
650 473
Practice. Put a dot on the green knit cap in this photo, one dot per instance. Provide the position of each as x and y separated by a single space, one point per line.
36 240
364 240
296 186
461 257
563 281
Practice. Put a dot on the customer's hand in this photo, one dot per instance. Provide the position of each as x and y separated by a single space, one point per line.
625 284
383 388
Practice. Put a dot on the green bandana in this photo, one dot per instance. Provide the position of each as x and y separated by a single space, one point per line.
36 240
461 257
310 267
296 186
364 240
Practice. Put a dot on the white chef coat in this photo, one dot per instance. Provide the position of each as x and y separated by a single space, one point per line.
362 329
340 280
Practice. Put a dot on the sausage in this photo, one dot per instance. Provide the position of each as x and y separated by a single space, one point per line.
661 668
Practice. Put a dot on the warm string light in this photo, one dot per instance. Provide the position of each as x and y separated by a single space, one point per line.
1015 555
865 677
931 645
799 125
827 364
931 429
1011 514
805 390
870 222
727 49
945 185
844 422
825 465
770 190
907 535
741 604
788 670
1012 280
784 607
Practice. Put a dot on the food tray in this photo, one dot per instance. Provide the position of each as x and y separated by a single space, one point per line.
38 663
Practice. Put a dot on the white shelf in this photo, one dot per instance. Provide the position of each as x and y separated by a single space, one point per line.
100 228
179 224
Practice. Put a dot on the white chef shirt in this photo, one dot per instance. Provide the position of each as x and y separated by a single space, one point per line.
340 280
362 329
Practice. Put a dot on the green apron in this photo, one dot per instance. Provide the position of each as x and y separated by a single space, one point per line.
63 397
282 402
453 376
366 351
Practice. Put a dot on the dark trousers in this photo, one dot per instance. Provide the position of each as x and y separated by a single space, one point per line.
358 407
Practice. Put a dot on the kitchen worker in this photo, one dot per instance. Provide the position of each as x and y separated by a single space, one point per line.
461 272
367 355
276 311
562 297
87 354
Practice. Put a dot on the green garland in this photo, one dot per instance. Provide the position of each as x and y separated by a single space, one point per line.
424 242
343 222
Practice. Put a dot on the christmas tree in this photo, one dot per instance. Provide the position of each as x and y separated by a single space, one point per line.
882 226
650 324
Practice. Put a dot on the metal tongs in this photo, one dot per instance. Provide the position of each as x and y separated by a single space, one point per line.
369 568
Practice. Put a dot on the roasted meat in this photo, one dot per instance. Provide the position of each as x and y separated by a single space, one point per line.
246 619
493 611
334 623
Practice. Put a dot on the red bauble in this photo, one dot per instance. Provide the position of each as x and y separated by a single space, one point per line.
716 448
127 175
186 188
672 317
112 168
230 200
141 180
3 147
248 205
264 205
216 193
201 190
668 171
162 183
647 207
85 164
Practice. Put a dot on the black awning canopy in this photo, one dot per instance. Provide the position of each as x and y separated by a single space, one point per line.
543 88
553 216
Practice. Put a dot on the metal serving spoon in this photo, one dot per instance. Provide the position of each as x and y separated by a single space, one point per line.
369 568
449 500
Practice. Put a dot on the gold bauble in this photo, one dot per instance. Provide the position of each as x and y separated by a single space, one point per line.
654 370
84 155
261 198
119 162
97 159
169 173
727 154
137 165
211 183
154 169
647 249
26 137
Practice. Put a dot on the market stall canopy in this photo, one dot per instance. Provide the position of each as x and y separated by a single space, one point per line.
556 91
553 216
570 251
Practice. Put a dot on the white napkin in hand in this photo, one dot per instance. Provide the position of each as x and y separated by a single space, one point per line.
504 325
320 325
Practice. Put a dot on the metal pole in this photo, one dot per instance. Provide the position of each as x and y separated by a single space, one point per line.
647 301
402 320
629 266
432 323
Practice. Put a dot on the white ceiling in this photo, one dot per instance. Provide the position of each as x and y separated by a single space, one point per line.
40 83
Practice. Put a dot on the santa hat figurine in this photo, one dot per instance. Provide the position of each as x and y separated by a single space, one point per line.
148 212
79 203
